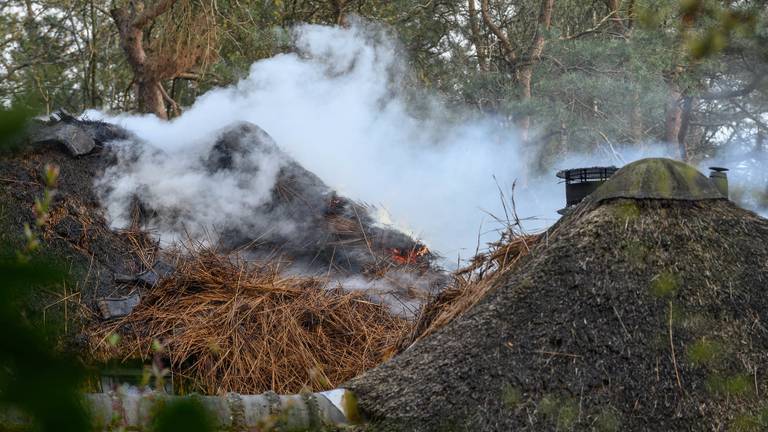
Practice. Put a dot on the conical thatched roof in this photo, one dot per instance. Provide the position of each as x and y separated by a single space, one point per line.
631 314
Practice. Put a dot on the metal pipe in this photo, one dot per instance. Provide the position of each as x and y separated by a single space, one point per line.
718 176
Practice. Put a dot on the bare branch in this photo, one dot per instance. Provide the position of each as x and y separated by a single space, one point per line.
750 115
594 29
754 85
148 15
174 106
511 55
191 76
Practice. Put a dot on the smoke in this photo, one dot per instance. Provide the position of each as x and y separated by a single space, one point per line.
189 192
340 106
402 291
747 175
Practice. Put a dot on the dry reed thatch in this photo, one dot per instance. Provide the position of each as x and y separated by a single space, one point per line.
227 325
630 314
470 284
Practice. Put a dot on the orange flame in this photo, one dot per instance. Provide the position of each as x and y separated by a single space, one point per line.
405 257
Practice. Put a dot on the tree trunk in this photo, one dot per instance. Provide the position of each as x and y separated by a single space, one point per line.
673 118
533 57
150 98
636 119
685 122
92 59
130 22
617 25
477 40
339 7
525 77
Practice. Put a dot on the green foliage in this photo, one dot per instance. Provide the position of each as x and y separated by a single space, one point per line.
548 406
600 85
511 396
35 379
705 352
351 409
664 285
721 26
562 413
568 415
739 385
627 210
608 420
749 422
12 123
635 251
187 414
42 208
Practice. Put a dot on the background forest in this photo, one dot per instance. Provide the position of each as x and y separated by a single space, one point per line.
573 76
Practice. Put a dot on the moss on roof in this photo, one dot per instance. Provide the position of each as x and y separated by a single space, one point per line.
642 311
657 178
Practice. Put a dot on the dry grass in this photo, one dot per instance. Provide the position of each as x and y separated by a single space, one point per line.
227 325
470 285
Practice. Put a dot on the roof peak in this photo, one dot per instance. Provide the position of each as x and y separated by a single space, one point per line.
657 178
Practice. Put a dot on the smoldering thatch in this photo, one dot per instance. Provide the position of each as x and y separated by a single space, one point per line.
231 326
275 204
635 314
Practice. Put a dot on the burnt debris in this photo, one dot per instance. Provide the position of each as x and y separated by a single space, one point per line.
304 219
328 234
78 137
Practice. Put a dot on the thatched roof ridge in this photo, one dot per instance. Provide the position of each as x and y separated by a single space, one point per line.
657 178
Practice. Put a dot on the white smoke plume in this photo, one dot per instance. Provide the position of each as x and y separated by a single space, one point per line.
193 199
747 176
338 105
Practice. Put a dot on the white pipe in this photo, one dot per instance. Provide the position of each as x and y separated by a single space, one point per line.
133 409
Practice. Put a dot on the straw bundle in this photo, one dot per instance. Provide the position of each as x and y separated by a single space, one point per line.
231 326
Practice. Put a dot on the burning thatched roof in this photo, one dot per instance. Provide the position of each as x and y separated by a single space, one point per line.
299 326
254 196
631 314
328 233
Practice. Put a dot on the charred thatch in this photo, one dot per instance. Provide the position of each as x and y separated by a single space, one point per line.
303 219
634 314
287 331
77 231
328 232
